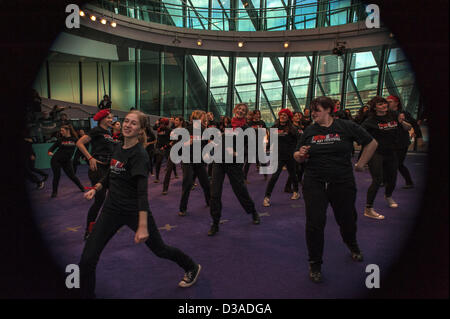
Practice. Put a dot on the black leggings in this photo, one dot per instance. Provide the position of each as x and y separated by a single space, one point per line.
159 157
190 171
290 163
67 167
299 169
107 225
383 169
236 176
95 177
30 169
401 155
170 166
342 197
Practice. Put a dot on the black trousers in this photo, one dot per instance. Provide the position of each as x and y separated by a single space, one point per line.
401 155
67 166
342 197
76 160
30 169
299 169
235 174
150 151
191 170
159 157
107 225
290 163
383 169
170 166
99 198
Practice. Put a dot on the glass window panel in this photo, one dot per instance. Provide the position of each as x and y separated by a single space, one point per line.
196 76
299 67
268 71
362 60
89 81
300 88
220 15
40 83
198 19
65 81
338 16
173 85
275 15
244 21
330 64
273 92
305 14
149 81
123 84
329 85
219 73
366 82
396 54
219 96
247 94
175 9
244 72
403 78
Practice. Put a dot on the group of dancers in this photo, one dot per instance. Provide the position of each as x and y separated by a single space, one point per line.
315 147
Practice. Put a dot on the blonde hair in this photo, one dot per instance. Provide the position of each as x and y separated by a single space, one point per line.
143 122
241 104
197 114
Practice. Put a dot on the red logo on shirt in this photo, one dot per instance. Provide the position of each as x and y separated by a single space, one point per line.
116 166
326 139
387 126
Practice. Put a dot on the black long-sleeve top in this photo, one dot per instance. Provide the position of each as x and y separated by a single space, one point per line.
66 146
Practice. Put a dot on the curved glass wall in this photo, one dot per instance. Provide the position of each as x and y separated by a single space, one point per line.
170 84
240 15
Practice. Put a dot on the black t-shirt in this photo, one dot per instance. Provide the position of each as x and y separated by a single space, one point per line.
385 130
150 138
102 144
287 141
257 124
331 149
213 123
126 166
66 146
163 137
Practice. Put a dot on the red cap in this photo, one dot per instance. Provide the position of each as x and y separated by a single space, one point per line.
288 113
101 115
393 97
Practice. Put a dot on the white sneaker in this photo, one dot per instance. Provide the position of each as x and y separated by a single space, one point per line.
295 196
266 202
391 202
371 213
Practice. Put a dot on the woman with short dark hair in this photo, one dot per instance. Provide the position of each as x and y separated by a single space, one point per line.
325 147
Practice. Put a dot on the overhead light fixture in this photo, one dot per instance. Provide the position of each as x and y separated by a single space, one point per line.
82 13
113 24
286 44
199 42
240 44
93 18
103 21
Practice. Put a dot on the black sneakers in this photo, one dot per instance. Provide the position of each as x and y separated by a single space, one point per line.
213 230
315 273
190 277
40 185
54 194
356 252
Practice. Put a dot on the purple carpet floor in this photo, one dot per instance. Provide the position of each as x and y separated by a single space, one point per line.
266 261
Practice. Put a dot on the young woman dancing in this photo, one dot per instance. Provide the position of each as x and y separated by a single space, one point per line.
326 148
102 145
287 141
385 127
162 149
192 170
178 122
62 158
255 123
299 167
235 174
127 204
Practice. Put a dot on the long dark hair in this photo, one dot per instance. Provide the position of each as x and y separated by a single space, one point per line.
71 130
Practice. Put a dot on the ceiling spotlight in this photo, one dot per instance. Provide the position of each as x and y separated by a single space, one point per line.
113 24
93 18
199 42
103 21
286 44
240 44
82 13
